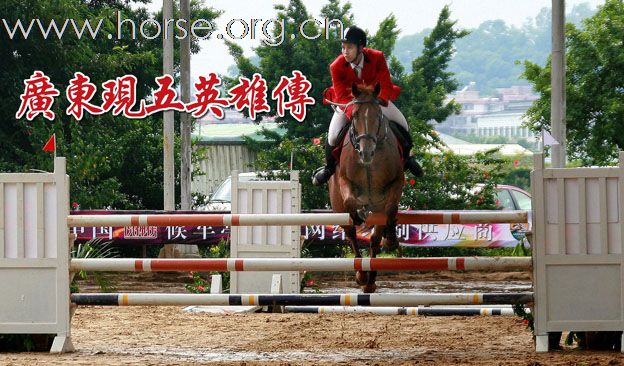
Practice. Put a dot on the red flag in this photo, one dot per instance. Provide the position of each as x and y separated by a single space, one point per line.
51 144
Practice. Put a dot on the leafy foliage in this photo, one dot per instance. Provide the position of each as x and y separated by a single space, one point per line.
95 248
106 155
199 283
594 90
450 183
305 157
311 57
424 90
527 318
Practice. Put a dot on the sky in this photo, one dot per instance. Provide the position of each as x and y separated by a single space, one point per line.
412 16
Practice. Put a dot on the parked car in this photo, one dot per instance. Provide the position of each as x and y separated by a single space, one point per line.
507 197
221 198
512 198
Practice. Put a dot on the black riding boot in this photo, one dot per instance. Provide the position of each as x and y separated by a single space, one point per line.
322 174
405 139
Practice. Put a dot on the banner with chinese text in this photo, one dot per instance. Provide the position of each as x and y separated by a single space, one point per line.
420 235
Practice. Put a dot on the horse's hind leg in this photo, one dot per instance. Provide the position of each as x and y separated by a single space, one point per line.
361 277
370 286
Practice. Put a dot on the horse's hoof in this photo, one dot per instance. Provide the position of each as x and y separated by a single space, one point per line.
356 219
363 214
369 288
390 245
361 278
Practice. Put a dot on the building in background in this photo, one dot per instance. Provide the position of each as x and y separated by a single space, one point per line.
225 148
502 115
461 147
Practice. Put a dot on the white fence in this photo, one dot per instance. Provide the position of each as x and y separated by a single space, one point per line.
578 222
34 254
265 197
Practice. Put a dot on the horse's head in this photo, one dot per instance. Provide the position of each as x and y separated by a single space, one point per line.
366 131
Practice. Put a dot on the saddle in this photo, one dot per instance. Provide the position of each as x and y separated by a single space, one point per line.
342 141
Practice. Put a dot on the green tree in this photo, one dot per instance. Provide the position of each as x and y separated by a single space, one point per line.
449 179
385 37
113 161
310 56
489 53
450 182
426 87
594 72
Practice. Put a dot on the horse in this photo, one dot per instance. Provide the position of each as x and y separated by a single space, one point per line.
369 177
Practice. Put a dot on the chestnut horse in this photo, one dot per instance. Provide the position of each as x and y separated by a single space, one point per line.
369 177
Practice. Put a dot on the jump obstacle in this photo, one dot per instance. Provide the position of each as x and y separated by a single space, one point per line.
34 223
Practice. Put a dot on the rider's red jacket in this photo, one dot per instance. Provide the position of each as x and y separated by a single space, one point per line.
375 70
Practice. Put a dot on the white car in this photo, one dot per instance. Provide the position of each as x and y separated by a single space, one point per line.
512 198
507 197
221 198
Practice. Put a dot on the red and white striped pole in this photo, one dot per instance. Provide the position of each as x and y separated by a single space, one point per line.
404 217
302 264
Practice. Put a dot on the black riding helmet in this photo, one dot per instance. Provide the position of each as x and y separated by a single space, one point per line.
356 36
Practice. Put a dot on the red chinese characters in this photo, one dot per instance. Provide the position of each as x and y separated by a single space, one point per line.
297 89
207 98
37 98
165 97
121 94
251 94
79 93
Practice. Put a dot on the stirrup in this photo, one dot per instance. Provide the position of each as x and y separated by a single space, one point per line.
321 176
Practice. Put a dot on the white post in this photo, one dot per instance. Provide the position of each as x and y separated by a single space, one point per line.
216 285
62 342
186 251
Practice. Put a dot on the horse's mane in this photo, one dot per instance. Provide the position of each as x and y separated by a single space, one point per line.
365 91
369 89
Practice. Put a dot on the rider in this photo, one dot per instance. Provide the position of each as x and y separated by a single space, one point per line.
360 65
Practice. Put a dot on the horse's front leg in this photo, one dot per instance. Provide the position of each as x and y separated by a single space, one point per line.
350 205
361 278
349 200
391 209
374 249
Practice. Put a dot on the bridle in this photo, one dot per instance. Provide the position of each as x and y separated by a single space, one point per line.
354 137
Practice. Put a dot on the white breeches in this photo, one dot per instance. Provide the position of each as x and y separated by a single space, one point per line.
339 120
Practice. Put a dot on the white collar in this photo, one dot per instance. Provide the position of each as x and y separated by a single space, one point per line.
360 64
